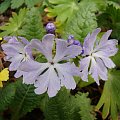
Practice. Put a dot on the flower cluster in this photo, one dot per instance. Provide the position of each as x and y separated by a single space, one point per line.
58 70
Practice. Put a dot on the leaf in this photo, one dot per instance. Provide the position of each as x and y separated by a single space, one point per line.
33 27
4 6
84 84
67 107
14 24
19 3
82 23
16 3
63 9
114 4
31 3
40 58
6 96
110 99
116 58
86 110
25 100
111 18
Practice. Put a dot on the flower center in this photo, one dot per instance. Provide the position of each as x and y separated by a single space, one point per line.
52 63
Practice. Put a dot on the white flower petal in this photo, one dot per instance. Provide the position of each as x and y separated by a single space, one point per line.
48 80
89 42
45 47
108 62
94 70
65 52
12 49
84 65
65 76
32 65
105 37
30 77
101 69
18 74
15 63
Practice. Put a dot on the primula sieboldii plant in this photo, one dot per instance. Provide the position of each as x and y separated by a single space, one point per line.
59 69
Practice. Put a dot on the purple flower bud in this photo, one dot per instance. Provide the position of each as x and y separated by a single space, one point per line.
70 41
82 51
76 42
50 28
70 37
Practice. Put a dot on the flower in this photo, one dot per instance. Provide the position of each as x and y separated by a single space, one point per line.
96 56
4 76
50 28
53 74
16 53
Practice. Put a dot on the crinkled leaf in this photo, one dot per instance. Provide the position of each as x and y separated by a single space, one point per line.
33 27
6 96
83 22
110 20
4 6
110 99
25 100
64 106
29 3
16 3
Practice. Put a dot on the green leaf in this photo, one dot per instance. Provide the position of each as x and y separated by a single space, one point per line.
19 3
14 24
31 3
25 100
4 6
86 110
83 22
16 3
67 107
110 99
111 18
40 58
116 58
100 4
6 96
63 9
114 4
84 84
33 27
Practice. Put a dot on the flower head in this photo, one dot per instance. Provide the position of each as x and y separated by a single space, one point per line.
16 53
4 76
53 74
96 56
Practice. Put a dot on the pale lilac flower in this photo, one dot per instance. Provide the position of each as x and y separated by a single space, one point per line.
16 53
96 56
53 74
